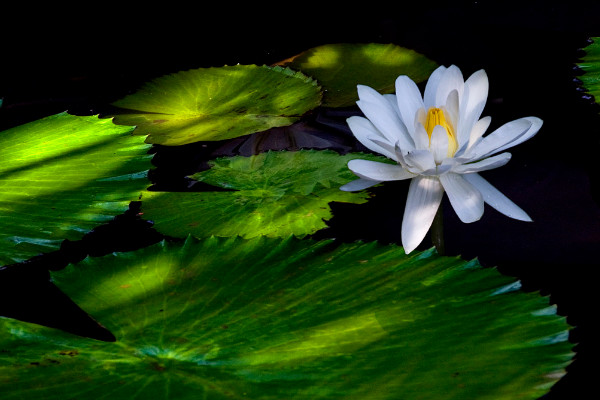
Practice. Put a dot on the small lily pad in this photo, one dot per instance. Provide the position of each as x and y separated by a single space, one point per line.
209 104
340 67
61 176
276 194
590 64
289 319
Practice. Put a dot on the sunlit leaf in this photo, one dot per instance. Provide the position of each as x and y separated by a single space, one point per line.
62 175
340 67
218 103
590 64
277 193
289 319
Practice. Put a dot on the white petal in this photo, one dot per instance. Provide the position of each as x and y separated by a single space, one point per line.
536 124
421 117
478 88
409 100
424 197
475 136
366 133
391 98
483 165
419 160
431 87
464 197
450 80
400 156
421 138
478 130
368 94
449 162
437 171
496 199
451 108
508 135
478 85
388 123
377 171
358 184
439 144
383 115
473 102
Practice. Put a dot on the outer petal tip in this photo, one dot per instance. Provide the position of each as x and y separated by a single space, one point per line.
536 123
358 184
408 250
496 199
365 91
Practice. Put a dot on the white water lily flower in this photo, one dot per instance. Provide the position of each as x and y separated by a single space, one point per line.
437 140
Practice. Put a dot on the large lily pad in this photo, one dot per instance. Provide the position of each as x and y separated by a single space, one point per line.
276 193
590 64
218 103
289 319
340 67
62 175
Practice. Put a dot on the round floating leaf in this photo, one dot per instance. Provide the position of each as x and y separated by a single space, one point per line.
590 64
340 67
218 103
62 175
289 319
276 193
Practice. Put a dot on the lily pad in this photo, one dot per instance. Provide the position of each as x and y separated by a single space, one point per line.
590 64
289 319
209 104
61 176
340 67
274 194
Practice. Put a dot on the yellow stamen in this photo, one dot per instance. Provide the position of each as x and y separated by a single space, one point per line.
435 116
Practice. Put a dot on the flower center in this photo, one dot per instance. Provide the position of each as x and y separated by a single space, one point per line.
435 116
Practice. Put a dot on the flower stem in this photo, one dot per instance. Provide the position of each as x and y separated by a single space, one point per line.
437 231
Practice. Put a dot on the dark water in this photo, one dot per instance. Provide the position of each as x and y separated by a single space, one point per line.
529 49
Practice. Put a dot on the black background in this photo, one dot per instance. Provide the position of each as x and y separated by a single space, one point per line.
56 59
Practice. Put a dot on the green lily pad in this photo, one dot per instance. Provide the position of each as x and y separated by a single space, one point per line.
274 194
61 176
209 104
590 64
289 319
340 67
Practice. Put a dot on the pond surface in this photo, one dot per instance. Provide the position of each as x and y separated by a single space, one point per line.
529 53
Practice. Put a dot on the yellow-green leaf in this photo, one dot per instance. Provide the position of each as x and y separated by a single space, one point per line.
340 67
62 175
210 104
